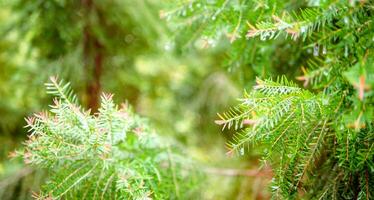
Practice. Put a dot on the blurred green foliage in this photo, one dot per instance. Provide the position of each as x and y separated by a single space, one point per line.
180 90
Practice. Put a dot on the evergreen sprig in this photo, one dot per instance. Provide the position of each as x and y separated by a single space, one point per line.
298 130
318 139
110 155
295 25
271 110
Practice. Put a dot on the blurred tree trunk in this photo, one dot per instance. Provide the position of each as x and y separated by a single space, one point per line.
92 58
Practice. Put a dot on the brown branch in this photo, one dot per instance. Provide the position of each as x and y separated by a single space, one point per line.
94 86
92 59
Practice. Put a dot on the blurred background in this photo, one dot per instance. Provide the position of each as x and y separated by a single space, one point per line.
125 48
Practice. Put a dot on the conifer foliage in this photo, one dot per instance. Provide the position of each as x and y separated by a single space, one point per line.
318 137
110 155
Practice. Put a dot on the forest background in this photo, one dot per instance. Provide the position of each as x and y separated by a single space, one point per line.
143 62
178 64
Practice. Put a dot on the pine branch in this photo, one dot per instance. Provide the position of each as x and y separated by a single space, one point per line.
284 123
61 90
108 155
302 25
